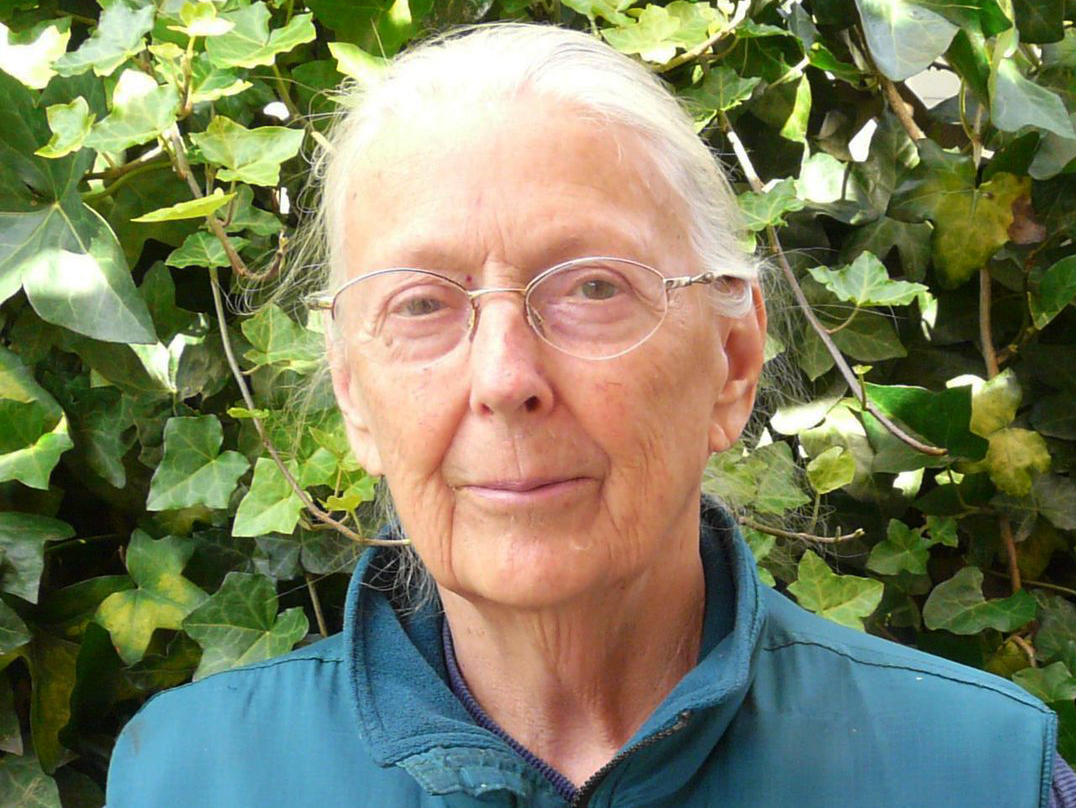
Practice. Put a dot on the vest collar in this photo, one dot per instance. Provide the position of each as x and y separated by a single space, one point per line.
409 716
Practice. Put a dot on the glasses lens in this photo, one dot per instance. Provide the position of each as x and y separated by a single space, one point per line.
598 309
402 315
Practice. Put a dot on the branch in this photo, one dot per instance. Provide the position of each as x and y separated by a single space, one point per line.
901 109
323 629
183 170
786 269
690 55
791 534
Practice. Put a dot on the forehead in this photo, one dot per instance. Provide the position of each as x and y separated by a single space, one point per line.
523 183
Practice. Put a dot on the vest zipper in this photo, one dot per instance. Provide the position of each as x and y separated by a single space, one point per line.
586 791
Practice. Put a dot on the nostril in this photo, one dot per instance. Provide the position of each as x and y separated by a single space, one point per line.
532 404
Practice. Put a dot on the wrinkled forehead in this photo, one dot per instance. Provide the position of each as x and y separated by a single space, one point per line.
523 182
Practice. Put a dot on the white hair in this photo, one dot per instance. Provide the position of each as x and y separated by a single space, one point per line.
503 61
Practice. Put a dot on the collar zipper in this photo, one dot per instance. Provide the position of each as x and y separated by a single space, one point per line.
586 791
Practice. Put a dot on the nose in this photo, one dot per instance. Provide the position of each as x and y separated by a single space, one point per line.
507 376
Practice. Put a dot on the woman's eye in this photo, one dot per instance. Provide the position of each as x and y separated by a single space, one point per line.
420 307
597 289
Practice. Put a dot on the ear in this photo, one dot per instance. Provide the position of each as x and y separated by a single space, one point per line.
352 407
744 343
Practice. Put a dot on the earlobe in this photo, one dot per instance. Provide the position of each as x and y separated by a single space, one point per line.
350 403
733 402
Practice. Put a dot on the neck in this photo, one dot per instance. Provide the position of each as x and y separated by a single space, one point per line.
573 683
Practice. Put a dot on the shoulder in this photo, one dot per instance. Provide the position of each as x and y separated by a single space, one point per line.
794 633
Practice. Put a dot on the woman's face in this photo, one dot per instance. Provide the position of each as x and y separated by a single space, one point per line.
522 475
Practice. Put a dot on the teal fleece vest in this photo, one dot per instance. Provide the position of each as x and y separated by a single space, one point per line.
785 710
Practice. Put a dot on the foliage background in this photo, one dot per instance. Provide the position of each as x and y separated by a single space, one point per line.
152 169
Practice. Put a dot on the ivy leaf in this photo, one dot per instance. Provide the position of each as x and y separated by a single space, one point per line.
911 240
239 625
245 216
1053 683
942 530
192 209
833 469
33 428
761 545
1055 417
271 505
102 431
193 470
722 89
23 784
162 600
1016 102
761 210
1056 637
22 540
612 11
866 282
13 632
844 599
118 35
353 61
62 252
250 43
1014 458
277 339
659 31
903 38
903 550
944 419
70 123
994 403
202 249
1057 289
28 55
141 110
10 731
52 667
200 19
958 605
1040 21
247 155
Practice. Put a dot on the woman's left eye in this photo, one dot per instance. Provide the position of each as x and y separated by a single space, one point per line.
598 289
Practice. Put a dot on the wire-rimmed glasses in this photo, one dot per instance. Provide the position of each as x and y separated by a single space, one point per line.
596 307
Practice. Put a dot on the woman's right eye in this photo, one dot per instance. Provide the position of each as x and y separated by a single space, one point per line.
419 307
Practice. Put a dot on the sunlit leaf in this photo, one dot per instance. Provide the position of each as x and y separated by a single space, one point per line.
958 605
33 428
239 625
904 38
192 209
28 55
277 339
193 470
247 155
994 403
162 600
942 418
202 249
118 35
353 61
141 110
250 42
70 123
844 599
832 469
760 210
1014 458
271 505
1016 102
865 282
721 89
658 31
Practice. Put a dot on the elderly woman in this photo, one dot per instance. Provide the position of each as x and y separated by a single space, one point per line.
541 328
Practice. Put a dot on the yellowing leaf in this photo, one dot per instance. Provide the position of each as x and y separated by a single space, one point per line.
994 403
1014 457
833 469
844 599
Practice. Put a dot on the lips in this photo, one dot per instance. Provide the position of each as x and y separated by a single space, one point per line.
532 491
530 484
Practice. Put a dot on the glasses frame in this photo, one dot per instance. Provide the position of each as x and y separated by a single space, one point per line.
326 301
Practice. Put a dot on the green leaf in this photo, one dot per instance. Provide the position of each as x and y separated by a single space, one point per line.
271 505
761 210
162 600
245 216
141 110
844 599
943 419
247 155
866 282
52 667
377 26
1056 638
1016 102
721 89
1040 21
28 55
200 19
612 11
118 35
239 625
192 209
958 605
1015 457
102 429
1057 289
353 61
23 784
833 469
10 731
1055 416
277 339
658 31
904 550
761 545
33 428
70 123
903 38
22 540
202 249
193 470
994 403
942 530
838 189
13 632
911 240
250 43
1053 683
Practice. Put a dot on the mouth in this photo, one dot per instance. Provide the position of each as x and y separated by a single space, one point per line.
528 491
